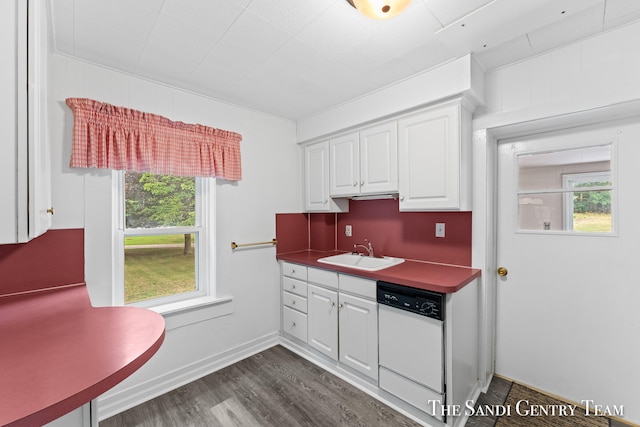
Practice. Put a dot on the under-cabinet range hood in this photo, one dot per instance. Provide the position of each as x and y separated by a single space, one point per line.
375 197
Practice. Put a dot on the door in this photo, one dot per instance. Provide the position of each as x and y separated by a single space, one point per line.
322 320
567 301
358 325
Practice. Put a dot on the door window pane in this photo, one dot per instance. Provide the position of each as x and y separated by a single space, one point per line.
566 191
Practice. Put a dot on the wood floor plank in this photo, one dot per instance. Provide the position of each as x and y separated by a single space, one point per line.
273 388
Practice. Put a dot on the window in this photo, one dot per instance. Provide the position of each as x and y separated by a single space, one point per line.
164 236
588 208
567 191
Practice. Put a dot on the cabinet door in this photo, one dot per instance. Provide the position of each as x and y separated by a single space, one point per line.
344 165
379 159
322 320
358 322
39 169
25 168
317 183
316 161
429 159
11 78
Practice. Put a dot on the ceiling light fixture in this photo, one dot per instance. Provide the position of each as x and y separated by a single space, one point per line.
380 9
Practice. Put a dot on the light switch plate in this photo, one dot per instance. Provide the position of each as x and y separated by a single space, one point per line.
439 229
347 230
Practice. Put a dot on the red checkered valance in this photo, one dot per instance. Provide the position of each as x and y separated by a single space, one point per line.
106 136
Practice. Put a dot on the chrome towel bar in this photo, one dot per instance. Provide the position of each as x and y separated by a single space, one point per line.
235 245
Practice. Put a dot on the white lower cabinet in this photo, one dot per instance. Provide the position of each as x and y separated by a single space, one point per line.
358 333
422 365
294 300
323 320
294 323
342 318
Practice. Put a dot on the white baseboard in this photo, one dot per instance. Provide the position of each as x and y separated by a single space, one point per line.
112 404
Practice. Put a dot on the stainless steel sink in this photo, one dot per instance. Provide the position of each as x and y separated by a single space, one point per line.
361 262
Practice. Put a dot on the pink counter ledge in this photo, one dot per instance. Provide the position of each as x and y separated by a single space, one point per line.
58 352
430 276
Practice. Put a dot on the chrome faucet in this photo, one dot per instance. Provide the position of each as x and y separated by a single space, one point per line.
369 248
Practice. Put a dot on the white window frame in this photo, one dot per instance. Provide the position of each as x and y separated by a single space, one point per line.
567 183
205 250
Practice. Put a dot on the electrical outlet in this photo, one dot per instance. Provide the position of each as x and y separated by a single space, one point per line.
439 229
347 230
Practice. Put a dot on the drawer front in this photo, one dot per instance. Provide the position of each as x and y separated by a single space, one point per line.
413 393
294 323
325 278
360 286
294 286
296 271
294 301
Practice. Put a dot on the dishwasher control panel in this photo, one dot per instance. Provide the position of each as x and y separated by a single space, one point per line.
419 301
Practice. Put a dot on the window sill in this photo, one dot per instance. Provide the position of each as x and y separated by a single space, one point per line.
187 312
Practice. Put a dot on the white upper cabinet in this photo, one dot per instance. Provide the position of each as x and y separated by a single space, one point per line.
316 169
365 162
433 156
25 168
344 170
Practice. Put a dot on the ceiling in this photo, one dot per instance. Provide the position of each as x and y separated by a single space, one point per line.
295 58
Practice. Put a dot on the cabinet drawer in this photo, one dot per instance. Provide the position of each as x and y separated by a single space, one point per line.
294 301
325 278
413 393
296 271
294 323
294 286
358 286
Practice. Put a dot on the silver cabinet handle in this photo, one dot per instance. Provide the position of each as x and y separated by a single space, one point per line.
293 286
341 306
293 302
401 198
293 324
355 183
333 304
362 183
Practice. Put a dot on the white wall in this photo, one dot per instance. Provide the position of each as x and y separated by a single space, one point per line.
245 213
592 81
599 71
456 77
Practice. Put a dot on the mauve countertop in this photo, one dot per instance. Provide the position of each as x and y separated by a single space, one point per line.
59 352
430 276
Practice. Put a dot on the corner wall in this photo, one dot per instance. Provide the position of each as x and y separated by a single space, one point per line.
195 343
593 81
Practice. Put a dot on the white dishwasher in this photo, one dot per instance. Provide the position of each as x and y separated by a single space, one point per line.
411 345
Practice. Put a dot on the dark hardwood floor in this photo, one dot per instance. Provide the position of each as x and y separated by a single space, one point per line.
280 388
272 388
